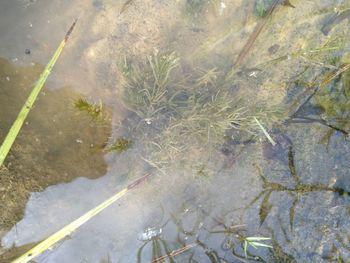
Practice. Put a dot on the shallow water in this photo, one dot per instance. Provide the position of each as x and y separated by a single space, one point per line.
210 187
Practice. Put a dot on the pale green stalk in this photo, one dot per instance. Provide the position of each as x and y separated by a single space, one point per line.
265 132
17 125
70 228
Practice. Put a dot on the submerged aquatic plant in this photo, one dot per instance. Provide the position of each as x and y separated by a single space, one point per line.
205 112
146 91
207 78
207 118
120 145
92 109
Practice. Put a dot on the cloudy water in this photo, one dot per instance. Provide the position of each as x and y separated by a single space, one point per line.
234 113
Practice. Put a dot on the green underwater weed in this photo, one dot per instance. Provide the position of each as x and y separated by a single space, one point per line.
180 114
120 145
207 118
146 91
92 109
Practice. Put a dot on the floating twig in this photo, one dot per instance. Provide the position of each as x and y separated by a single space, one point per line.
252 38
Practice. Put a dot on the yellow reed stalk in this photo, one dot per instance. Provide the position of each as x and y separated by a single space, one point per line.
17 125
70 228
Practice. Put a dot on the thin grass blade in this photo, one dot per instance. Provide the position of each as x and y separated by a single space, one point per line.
257 238
257 244
265 132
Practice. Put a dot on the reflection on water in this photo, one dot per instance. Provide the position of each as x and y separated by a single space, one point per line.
189 88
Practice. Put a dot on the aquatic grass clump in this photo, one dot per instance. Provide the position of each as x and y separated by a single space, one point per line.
207 78
182 122
210 119
203 111
206 118
147 91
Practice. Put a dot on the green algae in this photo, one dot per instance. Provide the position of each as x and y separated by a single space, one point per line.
94 110
120 145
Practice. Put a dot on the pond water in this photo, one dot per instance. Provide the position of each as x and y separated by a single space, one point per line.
237 111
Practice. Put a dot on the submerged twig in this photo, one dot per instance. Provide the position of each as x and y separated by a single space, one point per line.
252 38
174 253
304 119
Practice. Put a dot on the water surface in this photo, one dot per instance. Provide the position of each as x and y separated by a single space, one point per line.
216 179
